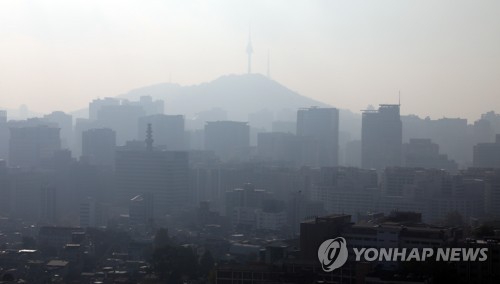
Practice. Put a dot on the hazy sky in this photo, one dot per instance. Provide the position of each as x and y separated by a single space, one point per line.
444 56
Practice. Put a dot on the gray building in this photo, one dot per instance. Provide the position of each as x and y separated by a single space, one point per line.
121 118
276 146
4 135
150 107
321 124
169 131
381 137
487 155
33 146
97 104
423 153
99 146
163 175
65 122
230 140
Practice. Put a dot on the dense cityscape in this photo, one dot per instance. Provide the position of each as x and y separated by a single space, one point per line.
135 194
249 142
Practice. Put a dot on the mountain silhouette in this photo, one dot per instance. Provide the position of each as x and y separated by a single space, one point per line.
238 95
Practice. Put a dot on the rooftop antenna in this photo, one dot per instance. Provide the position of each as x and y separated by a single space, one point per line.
399 98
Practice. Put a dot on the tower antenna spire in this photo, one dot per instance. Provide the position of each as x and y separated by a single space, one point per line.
149 138
399 98
249 50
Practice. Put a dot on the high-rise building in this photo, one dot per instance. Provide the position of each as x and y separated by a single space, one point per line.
205 184
33 146
48 209
395 181
492 194
381 137
276 146
214 114
25 194
345 190
5 191
81 124
487 155
352 154
3 116
453 135
423 153
163 175
90 213
4 135
242 204
321 124
287 148
65 123
141 210
121 118
272 216
284 126
314 232
169 131
97 104
99 146
228 139
150 107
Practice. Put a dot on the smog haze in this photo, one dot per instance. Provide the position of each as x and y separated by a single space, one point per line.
347 54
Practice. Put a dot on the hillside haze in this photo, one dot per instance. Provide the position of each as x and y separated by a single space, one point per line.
239 95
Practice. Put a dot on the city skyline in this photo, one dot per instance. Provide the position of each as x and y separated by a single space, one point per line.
160 142
59 56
